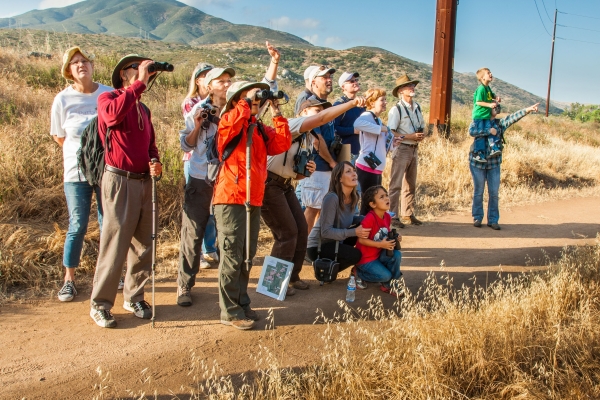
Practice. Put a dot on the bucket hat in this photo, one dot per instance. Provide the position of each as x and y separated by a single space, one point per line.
403 81
238 88
130 58
67 59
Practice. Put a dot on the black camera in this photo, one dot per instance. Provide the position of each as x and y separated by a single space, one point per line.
372 160
393 235
301 160
420 130
160 67
336 146
498 108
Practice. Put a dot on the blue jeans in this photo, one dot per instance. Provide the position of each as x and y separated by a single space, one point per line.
299 194
480 177
79 202
209 244
384 269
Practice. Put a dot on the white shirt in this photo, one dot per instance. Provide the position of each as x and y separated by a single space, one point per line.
71 112
198 158
372 139
275 163
405 126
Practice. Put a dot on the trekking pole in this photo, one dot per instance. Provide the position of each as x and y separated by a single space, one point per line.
248 209
154 230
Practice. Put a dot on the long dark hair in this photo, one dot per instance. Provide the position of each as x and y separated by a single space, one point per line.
368 197
335 185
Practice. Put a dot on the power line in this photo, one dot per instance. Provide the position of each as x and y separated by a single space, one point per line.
578 15
576 27
576 40
538 10
548 15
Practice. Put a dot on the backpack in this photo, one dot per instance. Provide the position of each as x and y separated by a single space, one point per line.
215 161
90 156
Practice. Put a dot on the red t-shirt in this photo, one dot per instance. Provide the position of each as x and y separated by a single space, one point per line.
379 231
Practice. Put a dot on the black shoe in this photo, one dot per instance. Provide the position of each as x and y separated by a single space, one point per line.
477 223
396 223
494 226
411 220
141 309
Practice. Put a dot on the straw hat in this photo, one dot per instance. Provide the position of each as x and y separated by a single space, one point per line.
68 56
403 81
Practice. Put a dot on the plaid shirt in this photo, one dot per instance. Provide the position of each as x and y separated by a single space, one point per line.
501 125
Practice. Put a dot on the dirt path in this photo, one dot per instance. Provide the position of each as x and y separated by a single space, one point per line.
52 349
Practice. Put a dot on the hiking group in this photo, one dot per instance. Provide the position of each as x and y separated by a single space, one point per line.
315 179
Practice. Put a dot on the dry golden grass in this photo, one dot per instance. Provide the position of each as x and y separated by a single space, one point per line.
531 336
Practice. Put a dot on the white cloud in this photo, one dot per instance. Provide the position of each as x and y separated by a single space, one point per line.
312 38
332 41
284 22
56 3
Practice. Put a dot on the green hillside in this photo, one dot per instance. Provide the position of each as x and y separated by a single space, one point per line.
166 20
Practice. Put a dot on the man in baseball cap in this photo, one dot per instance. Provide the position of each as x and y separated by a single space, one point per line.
306 93
344 124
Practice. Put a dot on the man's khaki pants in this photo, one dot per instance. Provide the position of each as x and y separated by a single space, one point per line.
126 234
403 180
233 274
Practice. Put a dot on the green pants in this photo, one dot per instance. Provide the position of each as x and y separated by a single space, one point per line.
233 274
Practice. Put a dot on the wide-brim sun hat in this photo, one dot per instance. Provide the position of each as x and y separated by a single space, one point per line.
403 81
68 56
128 59
238 88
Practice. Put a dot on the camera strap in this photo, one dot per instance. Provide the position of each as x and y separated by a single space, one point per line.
409 117
377 122
337 242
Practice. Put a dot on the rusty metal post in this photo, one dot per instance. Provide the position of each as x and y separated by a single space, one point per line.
443 67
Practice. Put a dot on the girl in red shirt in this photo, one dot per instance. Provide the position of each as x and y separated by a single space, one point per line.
375 265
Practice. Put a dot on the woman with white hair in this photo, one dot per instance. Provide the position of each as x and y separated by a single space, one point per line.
72 110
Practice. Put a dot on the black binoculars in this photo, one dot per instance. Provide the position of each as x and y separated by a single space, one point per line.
393 235
269 95
372 160
160 67
301 160
336 146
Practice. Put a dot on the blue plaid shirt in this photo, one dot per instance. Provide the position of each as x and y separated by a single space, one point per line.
501 125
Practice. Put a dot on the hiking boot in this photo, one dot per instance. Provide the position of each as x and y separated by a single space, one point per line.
241 324
477 223
290 290
494 226
121 283
103 318
140 309
251 314
411 220
211 257
300 285
204 264
396 223
184 296
67 292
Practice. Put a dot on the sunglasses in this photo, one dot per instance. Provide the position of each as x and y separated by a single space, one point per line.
353 80
134 66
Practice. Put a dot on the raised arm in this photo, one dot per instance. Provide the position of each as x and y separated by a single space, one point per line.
330 114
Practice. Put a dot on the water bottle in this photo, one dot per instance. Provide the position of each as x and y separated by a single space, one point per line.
351 292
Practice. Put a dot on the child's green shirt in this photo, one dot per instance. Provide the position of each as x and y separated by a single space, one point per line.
483 93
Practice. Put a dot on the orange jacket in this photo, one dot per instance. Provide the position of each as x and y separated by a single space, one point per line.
230 187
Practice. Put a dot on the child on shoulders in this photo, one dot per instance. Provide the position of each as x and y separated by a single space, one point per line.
484 100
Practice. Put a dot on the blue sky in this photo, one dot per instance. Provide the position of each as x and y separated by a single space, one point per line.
509 38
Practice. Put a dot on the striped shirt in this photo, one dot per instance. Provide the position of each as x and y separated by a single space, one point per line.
501 125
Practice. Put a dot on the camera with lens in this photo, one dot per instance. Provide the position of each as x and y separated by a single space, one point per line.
372 160
420 130
393 235
301 160
159 66
336 146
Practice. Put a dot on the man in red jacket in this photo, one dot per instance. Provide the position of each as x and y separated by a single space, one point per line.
125 127
230 194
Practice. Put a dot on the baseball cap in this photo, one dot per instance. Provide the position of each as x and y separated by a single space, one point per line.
313 101
320 71
308 70
217 72
346 76
201 68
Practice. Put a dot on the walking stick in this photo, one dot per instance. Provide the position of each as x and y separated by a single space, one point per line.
154 230
248 173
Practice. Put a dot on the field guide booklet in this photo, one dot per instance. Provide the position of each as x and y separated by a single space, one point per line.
274 278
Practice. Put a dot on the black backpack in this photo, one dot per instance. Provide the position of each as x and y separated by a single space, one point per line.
212 154
90 156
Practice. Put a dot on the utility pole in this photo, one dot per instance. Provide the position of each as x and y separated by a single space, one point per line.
443 67
551 62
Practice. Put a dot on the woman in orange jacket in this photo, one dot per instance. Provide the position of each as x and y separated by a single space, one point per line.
230 194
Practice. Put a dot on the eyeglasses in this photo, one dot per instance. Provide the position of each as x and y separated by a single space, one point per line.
134 66
82 62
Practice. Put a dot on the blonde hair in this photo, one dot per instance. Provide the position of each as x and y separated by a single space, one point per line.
372 95
193 88
480 72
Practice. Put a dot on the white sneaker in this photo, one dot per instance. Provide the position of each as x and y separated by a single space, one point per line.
103 318
204 264
67 292
212 257
121 283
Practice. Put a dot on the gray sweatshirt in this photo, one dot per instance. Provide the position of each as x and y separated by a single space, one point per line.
329 228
